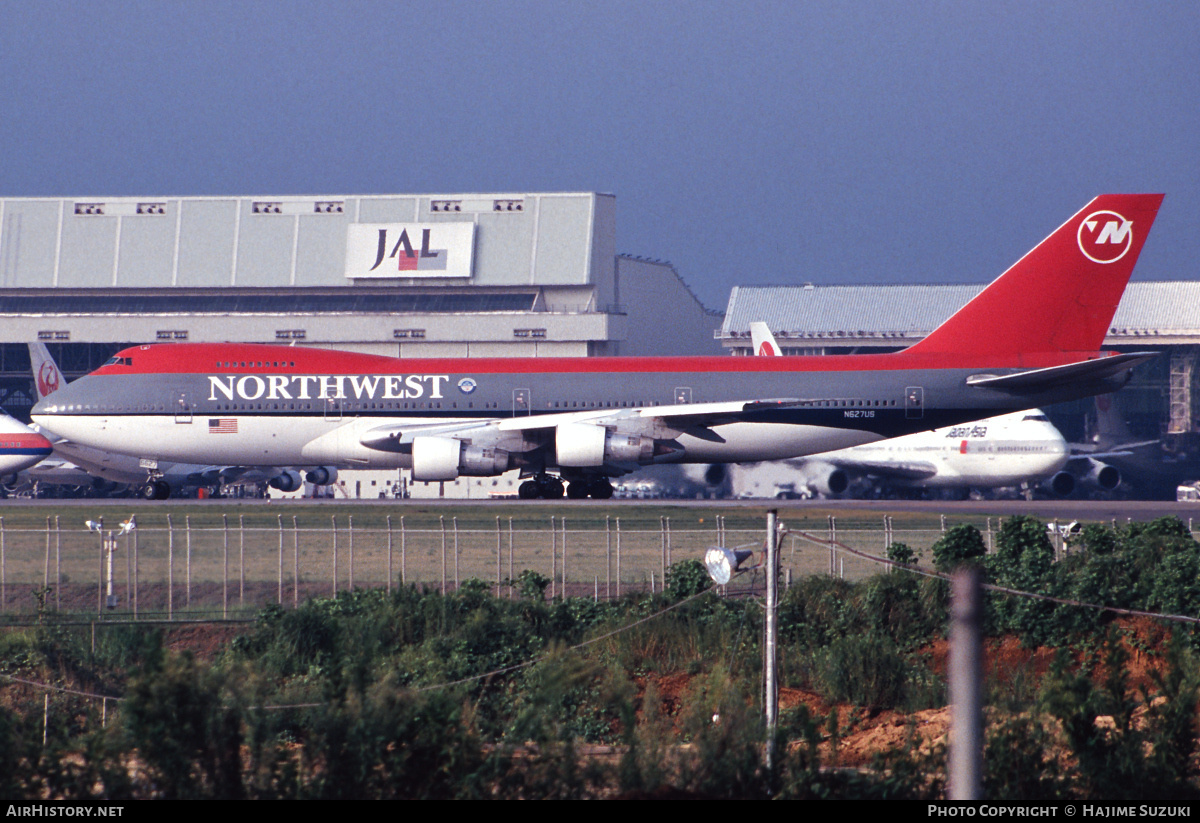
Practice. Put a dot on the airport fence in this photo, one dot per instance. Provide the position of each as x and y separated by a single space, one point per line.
182 571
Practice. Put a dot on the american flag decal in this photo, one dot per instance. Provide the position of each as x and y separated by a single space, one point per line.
222 425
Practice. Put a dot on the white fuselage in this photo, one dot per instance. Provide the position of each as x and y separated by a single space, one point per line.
999 451
314 441
1002 451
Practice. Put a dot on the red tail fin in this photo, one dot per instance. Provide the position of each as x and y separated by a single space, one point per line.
1061 296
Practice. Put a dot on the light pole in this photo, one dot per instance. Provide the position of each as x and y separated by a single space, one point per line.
722 564
108 545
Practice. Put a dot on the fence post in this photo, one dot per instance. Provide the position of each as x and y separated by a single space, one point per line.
279 596
170 570
832 555
662 552
225 568
497 555
350 537
607 558
618 557
668 545
128 588
135 575
241 560
295 562
187 522
442 524
564 558
46 562
553 557
403 551
3 571
510 559
389 563
58 565
454 523
100 569
333 521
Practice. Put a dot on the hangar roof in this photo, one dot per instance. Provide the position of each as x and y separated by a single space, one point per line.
1147 308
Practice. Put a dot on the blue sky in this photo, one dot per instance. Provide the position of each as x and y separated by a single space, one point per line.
749 143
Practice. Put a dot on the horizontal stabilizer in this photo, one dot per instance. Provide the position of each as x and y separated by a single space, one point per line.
1044 379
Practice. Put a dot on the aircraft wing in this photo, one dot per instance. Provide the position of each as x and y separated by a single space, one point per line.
661 422
900 470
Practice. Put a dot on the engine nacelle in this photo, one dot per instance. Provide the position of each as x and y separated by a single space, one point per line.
102 486
287 481
828 481
1061 484
444 458
322 476
1102 475
580 445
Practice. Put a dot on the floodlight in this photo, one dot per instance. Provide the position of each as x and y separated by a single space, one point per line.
722 563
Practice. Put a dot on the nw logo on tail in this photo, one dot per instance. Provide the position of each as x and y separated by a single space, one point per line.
1105 236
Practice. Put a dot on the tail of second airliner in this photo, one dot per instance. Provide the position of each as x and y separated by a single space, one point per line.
1061 296
763 341
47 378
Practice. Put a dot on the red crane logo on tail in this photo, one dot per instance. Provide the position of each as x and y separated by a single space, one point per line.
47 379
1105 236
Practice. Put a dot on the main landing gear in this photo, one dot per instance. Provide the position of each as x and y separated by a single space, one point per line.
541 486
548 487
155 490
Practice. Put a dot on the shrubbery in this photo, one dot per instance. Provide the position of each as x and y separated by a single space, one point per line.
466 694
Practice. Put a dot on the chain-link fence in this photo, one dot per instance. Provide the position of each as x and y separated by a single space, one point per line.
182 570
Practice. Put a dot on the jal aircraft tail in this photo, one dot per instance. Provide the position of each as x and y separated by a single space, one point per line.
47 378
763 341
1061 296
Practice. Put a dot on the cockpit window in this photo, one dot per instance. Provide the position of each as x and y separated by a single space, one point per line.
119 361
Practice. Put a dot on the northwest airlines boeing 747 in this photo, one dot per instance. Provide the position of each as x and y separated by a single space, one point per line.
1030 338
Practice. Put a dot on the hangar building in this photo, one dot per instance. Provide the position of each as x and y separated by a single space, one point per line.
464 275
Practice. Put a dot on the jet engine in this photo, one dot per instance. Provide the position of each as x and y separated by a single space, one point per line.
1061 484
287 481
1102 475
586 444
827 480
103 486
444 458
322 475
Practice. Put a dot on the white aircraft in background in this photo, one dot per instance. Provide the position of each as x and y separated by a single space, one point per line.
1007 450
154 480
21 448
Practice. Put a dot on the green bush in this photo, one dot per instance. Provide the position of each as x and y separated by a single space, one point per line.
961 544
